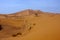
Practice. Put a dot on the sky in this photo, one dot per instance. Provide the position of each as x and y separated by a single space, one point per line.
12 6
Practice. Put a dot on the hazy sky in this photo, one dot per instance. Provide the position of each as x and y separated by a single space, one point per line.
11 6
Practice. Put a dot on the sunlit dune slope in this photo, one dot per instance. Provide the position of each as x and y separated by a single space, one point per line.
34 25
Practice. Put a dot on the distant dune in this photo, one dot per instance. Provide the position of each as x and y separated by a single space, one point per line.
30 25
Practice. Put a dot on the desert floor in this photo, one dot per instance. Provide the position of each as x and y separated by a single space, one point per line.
43 27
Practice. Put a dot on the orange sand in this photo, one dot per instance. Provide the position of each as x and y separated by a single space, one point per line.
47 26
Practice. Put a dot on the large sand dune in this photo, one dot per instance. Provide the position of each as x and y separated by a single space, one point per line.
30 25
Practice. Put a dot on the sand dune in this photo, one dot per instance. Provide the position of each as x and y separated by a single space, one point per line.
30 25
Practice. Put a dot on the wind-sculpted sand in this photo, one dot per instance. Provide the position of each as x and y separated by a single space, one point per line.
30 25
